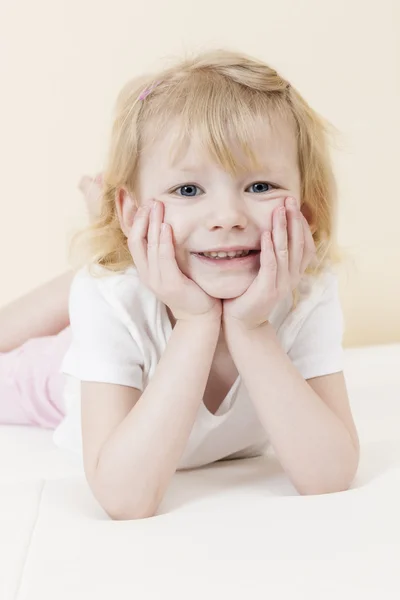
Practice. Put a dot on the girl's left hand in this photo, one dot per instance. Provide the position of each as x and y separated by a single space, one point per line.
285 254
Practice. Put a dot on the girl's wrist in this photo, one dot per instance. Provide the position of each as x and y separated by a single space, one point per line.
212 319
229 322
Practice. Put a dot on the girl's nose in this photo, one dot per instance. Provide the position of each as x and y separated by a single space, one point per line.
227 213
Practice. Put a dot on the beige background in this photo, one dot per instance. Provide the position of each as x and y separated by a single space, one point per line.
63 62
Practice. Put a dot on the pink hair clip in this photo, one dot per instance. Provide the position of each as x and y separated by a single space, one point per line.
148 91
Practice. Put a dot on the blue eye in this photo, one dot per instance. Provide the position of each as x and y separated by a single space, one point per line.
190 189
260 187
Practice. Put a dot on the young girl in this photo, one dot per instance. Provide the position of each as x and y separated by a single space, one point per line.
205 320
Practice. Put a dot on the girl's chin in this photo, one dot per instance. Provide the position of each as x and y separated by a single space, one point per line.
225 291
221 283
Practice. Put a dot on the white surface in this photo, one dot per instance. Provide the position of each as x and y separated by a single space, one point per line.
232 530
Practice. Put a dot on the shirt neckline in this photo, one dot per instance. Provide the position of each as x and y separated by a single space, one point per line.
228 403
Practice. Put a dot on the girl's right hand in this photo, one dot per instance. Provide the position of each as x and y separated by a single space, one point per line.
150 243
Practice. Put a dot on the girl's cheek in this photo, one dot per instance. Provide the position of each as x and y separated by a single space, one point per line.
179 224
264 221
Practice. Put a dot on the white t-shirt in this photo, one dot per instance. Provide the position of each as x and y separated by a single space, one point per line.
120 330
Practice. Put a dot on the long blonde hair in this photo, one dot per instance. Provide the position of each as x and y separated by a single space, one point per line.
213 93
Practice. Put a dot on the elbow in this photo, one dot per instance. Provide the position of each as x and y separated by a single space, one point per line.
126 509
333 480
319 489
129 513
119 506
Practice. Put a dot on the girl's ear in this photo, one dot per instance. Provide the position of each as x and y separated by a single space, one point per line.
126 210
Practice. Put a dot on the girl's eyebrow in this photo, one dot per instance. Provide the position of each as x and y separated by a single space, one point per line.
277 169
190 169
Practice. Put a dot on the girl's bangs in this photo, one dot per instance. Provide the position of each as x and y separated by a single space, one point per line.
218 115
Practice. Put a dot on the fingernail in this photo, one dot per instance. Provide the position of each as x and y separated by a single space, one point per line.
154 205
292 202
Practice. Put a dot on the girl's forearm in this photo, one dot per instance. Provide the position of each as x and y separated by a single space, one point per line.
41 312
313 445
137 462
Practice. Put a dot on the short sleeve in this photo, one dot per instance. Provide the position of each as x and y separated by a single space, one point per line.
317 349
102 348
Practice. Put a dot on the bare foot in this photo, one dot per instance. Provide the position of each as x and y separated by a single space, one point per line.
91 189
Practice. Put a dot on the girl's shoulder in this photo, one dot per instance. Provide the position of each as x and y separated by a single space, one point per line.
314 288
122 291
318 307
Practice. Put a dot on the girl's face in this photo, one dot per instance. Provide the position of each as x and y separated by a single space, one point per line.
209 209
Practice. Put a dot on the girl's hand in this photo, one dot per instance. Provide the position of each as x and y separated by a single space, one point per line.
151 245
284 257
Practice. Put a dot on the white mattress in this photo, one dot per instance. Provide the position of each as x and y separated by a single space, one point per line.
234 530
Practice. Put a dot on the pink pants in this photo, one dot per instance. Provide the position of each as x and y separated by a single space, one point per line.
31 385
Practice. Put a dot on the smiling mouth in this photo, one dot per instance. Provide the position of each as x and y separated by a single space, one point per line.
227 255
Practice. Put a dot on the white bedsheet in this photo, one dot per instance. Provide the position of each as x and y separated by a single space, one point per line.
233 530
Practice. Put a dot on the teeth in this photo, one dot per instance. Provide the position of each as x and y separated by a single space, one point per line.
232 254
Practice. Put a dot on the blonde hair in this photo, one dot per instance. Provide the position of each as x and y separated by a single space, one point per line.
214 94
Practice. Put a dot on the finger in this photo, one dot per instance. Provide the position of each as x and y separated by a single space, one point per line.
137 239
309 245
153 241
281 247
268 264
167 250
170 273
295 238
